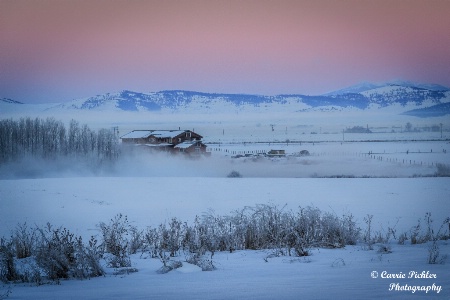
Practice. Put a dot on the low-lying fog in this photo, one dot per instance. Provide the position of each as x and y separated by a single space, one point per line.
325 160
333 153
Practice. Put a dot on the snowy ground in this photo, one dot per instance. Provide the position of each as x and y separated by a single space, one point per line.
153 190
81 203
327 274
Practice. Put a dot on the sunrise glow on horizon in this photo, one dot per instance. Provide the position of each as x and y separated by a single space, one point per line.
54 51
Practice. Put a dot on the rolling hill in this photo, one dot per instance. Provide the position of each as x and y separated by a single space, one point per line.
406 97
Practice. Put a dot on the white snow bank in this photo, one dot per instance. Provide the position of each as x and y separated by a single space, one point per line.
326 274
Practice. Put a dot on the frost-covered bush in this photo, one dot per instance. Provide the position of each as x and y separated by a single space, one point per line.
311 227
234 174
350 231
87 260
24 239
151 242
60 254
308 225
168 242
272 227
29 271
420 234
331 234
170 236
204 236
115 241
8 270
206 264
295 242
402 238
216 232
414 234
56 252
434 255
37 254
171 265
443 170
384 249
368 238
136 240
288 232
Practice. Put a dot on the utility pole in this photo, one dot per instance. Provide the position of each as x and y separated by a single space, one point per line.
441 129
116 130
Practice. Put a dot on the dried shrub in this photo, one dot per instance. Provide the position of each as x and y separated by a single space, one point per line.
115 241
234 174
60 254
443 170
8 270
24 239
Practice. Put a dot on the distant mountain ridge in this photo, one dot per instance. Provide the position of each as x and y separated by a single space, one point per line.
7 100
437 110
183 100
365 86
409 98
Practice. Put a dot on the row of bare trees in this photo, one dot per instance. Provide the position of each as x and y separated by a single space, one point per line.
49 139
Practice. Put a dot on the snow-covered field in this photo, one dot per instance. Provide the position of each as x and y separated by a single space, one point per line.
327 274
81 203
151 190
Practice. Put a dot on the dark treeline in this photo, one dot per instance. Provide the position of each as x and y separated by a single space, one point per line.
49 139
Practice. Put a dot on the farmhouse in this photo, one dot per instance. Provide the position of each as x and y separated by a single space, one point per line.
176 141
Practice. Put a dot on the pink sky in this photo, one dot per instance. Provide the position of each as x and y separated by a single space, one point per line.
53 51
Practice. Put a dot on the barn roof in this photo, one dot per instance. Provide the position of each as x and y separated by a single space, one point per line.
141 134
187 144
184 145
167 133
158 145
137 134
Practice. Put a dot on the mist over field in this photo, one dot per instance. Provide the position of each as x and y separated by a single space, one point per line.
396 152
325 160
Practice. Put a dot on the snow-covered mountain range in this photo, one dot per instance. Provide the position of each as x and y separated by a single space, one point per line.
365 86
421 100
